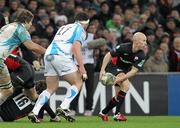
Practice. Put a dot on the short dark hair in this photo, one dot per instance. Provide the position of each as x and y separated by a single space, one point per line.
24 16
81 16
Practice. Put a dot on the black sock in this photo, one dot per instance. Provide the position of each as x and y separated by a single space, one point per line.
120 97
48 110
110 106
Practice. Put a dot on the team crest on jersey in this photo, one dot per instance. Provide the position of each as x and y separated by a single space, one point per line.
136 58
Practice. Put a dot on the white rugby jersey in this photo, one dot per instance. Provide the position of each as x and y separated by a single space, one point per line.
11 36
86 52
64 38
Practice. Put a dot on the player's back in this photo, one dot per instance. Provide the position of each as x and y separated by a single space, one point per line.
11 35
64 38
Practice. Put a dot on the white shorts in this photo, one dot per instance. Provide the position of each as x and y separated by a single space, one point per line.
58 65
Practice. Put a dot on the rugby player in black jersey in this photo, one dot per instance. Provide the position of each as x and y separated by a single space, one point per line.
123 62
19 104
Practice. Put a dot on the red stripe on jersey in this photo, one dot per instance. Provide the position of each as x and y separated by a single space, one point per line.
114 60
12 64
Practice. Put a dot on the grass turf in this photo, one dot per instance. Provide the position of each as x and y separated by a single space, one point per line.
95 122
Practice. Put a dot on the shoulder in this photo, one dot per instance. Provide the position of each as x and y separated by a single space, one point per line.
124 46
141 54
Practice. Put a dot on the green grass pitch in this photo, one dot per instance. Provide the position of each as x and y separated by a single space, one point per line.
95 122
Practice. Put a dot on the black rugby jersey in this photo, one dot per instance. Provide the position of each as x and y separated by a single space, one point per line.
124 58
16 106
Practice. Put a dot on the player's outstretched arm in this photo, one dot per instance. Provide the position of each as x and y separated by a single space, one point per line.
34 47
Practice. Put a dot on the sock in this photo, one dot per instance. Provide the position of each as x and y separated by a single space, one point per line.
120 97
48 109
73 93
2 99
42 99
110 105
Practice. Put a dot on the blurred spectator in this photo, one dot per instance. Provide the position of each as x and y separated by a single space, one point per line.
174 56
60 20
115 24
41 26
117 9
104 13
40 12
2 20
33 6
152 41
165 6
166 39
154 13
159 33
134 25
128 16
112 41
14 4
156 63
170 26
69 11
52 16
92 12
165 48
49 33
2 5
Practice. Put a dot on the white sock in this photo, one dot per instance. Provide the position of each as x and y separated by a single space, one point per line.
73 93
42 99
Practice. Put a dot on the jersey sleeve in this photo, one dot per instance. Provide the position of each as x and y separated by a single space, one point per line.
23 34
117 51
80 34
139 60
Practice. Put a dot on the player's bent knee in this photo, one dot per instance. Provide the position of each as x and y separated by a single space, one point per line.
125 85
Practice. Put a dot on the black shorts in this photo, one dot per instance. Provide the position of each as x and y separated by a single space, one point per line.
23 76
114 69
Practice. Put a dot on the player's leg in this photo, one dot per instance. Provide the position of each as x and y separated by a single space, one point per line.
113 102
6 88
52 81
52 84
89 84
120 96
70 74
75 80
74 105
54 117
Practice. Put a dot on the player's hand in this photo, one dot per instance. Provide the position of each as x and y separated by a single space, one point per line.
102 72
119 79
84 77
83 72
36 65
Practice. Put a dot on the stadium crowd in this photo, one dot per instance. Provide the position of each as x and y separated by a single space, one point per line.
114 20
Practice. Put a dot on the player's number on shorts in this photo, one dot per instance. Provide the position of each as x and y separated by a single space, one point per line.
21 101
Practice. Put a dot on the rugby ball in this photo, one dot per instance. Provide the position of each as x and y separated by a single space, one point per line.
108 79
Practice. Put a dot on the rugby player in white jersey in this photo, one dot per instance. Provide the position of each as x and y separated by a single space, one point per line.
11 36
59 62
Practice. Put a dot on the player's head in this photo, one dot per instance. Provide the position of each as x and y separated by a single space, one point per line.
83 19
139 41
25 17
40 86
